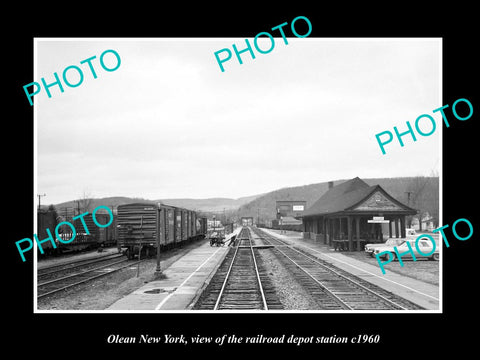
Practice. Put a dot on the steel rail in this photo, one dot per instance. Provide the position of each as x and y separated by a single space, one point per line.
84 280
75 264
336 273
323 286
80 273
265 306
351 280
225 281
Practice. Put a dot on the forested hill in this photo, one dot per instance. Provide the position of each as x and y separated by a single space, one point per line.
206 205
424 195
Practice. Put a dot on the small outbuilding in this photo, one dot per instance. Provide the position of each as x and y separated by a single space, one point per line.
288 213
354 213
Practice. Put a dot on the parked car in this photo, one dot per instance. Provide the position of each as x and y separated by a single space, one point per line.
411 234
425 247
369 248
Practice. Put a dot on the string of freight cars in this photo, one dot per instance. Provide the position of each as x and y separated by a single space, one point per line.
57 235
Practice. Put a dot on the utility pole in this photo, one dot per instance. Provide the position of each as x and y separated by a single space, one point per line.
408 204
78 206
39 195
408 197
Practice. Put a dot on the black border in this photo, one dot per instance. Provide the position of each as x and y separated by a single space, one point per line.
85 334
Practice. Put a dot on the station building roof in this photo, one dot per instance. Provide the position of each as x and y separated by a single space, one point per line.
356 196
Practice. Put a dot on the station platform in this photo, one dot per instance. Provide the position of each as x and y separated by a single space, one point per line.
180 285
419 292
185 279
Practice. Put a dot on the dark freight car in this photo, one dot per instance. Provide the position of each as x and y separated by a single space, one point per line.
106 236
142 226
84 239
168 226
138 226
91 239
201 226
46 219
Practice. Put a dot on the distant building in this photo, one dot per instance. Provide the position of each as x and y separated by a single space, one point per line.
211 224
291 208
353 213
427 222
247 221
288 213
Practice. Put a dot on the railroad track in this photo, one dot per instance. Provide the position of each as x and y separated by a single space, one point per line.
63 278
334 288
241 282
51 271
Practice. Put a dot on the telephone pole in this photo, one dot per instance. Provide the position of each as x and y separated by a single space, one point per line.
39 195
408 197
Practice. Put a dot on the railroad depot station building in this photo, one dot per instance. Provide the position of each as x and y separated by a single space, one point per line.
353 213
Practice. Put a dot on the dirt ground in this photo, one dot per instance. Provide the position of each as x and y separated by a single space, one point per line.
101 293
291 294
422 269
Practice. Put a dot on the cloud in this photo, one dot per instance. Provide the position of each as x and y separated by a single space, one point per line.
169 123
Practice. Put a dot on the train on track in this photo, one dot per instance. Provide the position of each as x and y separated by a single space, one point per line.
95 238
134 227
141 226
275 225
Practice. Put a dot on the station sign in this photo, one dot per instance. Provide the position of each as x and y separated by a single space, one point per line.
378 220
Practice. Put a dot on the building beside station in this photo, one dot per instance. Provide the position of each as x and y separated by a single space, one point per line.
290 208
288 213
353 213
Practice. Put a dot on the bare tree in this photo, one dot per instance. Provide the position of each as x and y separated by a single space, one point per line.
84 203
423 195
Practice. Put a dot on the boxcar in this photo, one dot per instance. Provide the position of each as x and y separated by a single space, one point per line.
168 225
137 227
46 220
95 237
106 236
178 225
201 227
141 226
84 240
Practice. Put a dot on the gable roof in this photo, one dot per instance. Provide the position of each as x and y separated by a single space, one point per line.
348 195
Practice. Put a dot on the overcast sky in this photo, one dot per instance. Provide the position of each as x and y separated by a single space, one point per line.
169 124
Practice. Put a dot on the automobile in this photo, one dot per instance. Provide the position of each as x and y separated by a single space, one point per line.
369 248
411 234
425 247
